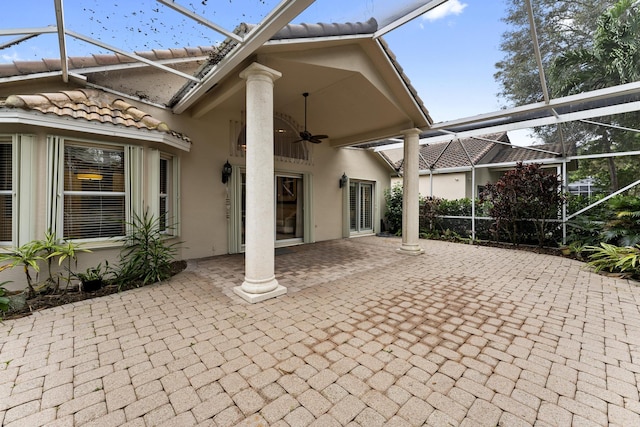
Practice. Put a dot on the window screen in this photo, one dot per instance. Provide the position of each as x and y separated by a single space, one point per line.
94 192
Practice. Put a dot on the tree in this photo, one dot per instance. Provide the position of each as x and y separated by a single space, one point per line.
566 28
612 58
524 195
561 25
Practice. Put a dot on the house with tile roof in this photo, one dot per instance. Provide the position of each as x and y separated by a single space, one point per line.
239 148
460 168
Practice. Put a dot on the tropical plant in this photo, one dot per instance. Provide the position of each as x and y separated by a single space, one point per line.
94 273
4 301
69 251
624 259
50 247
146 255
524 195
28 256
623 227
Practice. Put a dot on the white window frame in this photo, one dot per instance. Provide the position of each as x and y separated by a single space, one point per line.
23 188
172 206
55 184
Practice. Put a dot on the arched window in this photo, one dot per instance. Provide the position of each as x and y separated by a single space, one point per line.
286 140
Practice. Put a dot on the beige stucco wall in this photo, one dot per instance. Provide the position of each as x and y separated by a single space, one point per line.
446 186
455 185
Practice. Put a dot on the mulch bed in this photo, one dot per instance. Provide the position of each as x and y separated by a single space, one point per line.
44 300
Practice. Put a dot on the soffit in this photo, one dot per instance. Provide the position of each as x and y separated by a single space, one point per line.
355 93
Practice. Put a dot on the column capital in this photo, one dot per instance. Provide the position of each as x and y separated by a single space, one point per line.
410 132
257 71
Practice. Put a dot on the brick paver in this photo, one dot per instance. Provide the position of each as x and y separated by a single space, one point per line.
463 335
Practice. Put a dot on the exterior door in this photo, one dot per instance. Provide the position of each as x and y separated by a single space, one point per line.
360 207
289 208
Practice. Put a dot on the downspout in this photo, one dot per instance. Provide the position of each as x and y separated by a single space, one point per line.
430 182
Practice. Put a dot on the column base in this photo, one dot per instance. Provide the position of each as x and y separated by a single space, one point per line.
254 298
410 250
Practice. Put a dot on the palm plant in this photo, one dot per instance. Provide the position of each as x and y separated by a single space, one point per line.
28 256
615 258
69 251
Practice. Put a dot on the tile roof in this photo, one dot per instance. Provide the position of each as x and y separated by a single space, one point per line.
91 105
322 29
481 151
521 154
18 68
454 153
214 53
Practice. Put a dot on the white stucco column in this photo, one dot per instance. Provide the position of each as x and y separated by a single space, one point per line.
410 195
260 282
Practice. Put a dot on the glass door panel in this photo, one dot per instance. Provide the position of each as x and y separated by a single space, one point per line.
360 207
289 203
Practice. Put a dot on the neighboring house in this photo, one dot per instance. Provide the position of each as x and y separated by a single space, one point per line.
82 157
586 187
447 168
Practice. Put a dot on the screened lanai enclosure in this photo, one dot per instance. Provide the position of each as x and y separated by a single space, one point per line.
110 109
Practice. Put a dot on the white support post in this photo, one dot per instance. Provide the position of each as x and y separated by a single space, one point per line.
410 195
260 282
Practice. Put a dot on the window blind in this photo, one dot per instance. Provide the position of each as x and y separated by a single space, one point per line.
6 189
94 192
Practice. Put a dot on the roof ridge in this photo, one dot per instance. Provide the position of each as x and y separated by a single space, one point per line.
100 59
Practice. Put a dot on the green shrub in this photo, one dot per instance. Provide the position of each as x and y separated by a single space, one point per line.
623 259
147 255
393 214
623 225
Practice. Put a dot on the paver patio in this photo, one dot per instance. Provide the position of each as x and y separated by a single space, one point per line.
463 335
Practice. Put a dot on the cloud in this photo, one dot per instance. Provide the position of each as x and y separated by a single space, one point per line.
9 57
451 7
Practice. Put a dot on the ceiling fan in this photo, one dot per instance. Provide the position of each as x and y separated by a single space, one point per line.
305 135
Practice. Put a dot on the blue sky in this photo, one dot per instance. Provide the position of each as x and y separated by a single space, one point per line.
449 54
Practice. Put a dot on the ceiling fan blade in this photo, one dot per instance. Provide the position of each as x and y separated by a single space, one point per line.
305 135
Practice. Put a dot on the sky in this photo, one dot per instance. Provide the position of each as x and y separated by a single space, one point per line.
448 54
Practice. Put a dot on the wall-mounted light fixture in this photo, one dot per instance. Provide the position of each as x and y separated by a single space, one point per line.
343 180
226 172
